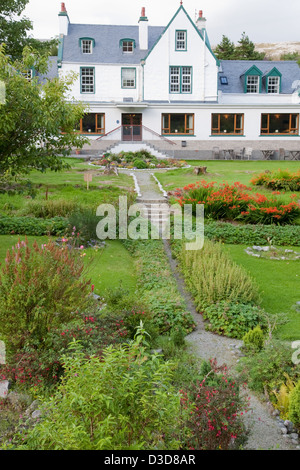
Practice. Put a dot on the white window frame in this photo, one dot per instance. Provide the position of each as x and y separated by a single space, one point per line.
180 40
274 87
87 46
128 77
87 80
127 47
253 83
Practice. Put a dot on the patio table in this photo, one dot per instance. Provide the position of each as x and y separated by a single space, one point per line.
295 154
267 154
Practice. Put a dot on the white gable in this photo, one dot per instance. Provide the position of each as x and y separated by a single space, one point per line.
195 55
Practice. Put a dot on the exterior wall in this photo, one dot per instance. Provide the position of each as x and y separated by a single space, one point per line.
164 55
108 86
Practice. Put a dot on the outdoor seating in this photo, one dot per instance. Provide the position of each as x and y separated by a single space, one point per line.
247 153
216 153
239 154
281 154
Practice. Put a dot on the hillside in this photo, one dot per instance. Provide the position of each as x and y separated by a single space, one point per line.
275 50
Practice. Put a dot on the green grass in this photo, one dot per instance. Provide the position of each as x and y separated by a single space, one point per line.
279 283
69 185
224 171
106 268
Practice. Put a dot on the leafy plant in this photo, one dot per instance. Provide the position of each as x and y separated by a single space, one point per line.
294 407
232 319
254 339
125 401
40 288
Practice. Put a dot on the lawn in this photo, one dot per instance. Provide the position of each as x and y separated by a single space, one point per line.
224 171
68 185
106 268
279 283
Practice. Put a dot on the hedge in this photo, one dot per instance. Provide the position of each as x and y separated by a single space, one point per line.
32 226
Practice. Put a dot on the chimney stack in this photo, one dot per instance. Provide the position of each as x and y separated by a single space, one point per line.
201 21
63 20
143 30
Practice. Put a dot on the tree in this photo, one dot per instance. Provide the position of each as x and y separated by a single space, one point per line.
246 50
14 29
34 115
225 49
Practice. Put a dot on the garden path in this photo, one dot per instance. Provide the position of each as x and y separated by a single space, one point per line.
264 432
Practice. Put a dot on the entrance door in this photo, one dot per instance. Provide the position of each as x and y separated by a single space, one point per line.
131 127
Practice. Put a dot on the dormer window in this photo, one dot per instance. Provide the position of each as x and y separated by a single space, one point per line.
273 81
252 84
252 80
127 45
87 45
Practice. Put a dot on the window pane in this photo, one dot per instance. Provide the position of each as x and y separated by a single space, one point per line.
273 84
87 80
177 123
86 46
128 78
175 79
252 84
186 80
127 46
215 121
89 123
180 40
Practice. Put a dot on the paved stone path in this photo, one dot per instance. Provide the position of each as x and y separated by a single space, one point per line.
264 432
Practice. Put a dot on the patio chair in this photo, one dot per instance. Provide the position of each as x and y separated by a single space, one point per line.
216 153
281 154
239 154
248 153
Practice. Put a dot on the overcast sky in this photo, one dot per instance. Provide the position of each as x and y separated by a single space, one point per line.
262 20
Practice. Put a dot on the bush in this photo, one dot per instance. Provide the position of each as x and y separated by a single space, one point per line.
232 319
32 226
278 180
50 209
254 339
109 404
294 409
252 234
216 419
212 276
40 288
140 164
84 222
266 369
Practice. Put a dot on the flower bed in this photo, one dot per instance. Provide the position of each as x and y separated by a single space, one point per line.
235 202
278 180
141 160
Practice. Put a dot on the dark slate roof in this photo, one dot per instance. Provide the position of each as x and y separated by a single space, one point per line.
235 69
107 48
52 70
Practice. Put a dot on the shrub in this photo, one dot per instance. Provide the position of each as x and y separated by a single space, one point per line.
50 209
278 180
254 339
32 226
140 164
212 277
216 419
265 369
109 404
294 408
40 288
232 319
39 365
85 222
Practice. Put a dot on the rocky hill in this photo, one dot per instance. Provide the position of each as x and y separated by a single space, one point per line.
275 50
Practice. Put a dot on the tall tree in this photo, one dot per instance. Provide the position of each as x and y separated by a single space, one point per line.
225 49
14 30
246 50
34 115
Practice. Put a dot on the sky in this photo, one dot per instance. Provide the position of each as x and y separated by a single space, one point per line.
265 21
